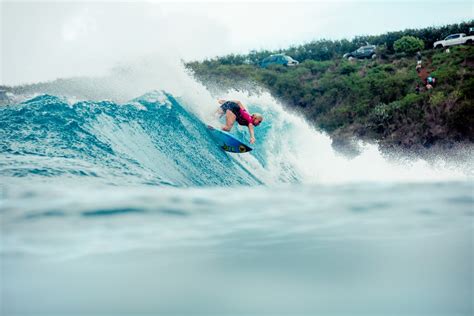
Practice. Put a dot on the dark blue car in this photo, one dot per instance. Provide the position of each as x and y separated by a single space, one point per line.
367 51
278 59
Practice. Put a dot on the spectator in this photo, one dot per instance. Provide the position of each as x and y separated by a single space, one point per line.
418 62
418 68
431 80
418 57
417 88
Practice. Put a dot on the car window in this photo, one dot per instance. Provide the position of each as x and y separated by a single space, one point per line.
456 36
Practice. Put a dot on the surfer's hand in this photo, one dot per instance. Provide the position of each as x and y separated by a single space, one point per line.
252 140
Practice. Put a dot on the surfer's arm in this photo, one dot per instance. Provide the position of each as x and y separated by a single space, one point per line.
252 135
221 101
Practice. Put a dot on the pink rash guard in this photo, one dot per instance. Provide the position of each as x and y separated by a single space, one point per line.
244 118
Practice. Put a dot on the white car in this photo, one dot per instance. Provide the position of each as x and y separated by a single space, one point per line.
454 39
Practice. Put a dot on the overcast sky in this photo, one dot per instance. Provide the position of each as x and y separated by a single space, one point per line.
47 40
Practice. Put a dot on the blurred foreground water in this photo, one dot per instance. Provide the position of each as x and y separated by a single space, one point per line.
368 249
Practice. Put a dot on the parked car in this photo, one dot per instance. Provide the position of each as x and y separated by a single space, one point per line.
367 51
454 39
278 59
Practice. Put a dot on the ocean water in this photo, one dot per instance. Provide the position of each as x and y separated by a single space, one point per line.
129 208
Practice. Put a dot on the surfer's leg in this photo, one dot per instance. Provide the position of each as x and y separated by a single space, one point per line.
229 120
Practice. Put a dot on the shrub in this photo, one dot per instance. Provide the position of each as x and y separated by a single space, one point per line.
408 44
437 98
316 67
347 68
411 100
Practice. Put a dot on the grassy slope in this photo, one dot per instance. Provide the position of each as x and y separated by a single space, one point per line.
372 99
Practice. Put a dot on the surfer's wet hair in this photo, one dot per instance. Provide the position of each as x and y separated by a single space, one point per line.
258 116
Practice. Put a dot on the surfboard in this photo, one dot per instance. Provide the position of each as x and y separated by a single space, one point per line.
227 141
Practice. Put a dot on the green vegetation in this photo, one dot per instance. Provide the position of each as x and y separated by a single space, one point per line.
372 99
408 44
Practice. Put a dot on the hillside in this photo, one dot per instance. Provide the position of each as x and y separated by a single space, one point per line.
370 99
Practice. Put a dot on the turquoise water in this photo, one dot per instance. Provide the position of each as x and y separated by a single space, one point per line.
130 208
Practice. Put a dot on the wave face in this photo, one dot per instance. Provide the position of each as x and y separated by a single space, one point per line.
149 140
160 139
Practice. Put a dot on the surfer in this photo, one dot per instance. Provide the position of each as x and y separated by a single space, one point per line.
236 111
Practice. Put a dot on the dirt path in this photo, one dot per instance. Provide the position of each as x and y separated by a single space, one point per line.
425 71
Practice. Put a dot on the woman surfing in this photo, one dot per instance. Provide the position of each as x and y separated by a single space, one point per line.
236 111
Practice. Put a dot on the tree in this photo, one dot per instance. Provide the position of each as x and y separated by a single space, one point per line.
408 44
